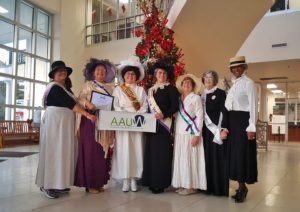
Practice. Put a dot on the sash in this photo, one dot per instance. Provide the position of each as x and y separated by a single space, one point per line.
48 89
214 129
166 122
132 97
191 124
102 87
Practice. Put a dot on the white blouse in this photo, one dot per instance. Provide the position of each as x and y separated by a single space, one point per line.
122 103
242 97
193 106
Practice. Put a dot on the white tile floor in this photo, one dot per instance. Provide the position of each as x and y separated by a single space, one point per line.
278 189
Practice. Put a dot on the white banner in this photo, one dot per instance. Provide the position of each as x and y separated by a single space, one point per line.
125 121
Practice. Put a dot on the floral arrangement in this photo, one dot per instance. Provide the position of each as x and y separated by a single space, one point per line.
157 40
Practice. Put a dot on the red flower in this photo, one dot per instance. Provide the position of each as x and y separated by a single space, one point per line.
149 21
148 39
155 32
138 33
167 45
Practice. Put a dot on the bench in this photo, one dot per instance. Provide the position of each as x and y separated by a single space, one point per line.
15 129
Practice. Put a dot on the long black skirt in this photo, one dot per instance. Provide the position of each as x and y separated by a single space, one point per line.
157 172
216 164
242 152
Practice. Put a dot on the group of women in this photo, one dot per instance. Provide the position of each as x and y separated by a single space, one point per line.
201 141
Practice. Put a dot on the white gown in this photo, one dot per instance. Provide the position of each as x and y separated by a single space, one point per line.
189 162
127 160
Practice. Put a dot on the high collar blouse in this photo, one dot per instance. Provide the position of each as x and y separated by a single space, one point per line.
242 97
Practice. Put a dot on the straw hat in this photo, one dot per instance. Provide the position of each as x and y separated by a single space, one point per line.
238 61
132 61
196 80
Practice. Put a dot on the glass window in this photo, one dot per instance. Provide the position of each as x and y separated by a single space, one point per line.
42 22
25 65
39 90
6 113
110 8
109 20
6 34
6 58
124 8
121 24
7 8
6 91
26 15
24 93
22 114
41 70
25 41
24 57
93 12
41 46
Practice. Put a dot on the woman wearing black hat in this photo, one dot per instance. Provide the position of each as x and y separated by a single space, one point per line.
57 146
163 102
241 102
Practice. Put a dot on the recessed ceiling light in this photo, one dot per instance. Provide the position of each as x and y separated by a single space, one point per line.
3 10
277 91
271 86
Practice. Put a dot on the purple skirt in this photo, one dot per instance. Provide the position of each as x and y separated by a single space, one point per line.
92 169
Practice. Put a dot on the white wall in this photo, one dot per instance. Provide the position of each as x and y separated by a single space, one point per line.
278 27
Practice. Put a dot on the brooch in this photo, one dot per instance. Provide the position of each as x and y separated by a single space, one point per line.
213 97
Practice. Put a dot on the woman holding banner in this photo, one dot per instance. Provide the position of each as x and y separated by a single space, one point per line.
189 164
163 102
127 161
93 164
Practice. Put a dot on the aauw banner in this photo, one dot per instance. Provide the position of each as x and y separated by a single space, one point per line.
114 120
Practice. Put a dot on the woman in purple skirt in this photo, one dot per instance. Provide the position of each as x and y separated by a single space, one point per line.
93 165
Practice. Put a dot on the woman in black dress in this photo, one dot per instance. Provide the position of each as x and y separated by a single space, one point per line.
163 102
215 149
241 102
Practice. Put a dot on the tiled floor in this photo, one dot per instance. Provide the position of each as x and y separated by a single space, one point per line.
278 189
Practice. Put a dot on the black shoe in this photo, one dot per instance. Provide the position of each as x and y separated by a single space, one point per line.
156 190
50 193
241 195
62 191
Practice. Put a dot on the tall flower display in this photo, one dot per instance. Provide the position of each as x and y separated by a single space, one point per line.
157 41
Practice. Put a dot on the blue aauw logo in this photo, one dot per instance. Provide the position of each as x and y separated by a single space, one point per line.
137 121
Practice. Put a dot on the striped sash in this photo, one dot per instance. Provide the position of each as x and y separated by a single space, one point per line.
188 119
132 97
154 108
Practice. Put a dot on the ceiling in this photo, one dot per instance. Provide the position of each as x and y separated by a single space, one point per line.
210 32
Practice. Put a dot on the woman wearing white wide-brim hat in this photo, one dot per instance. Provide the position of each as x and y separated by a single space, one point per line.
241 102
127 160
189 164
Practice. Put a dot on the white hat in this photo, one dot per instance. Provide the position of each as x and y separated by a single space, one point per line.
237 61
132 61
196 80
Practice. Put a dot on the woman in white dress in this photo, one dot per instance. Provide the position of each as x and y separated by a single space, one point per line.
189 164
127 160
